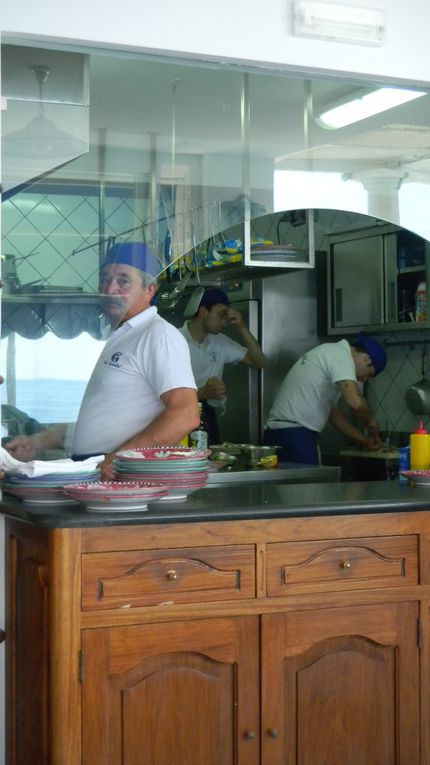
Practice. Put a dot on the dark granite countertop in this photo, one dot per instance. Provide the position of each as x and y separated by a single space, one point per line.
228 503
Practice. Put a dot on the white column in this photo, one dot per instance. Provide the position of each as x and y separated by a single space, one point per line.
382 187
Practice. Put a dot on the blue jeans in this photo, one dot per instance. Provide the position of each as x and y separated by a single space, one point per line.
298 444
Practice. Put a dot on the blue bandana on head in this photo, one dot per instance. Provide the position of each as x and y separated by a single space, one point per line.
213 296
374 349
136 254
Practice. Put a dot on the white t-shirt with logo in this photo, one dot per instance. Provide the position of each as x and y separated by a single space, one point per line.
208 358
141 360
309 390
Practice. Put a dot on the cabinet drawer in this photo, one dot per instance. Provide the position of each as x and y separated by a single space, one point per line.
344 564
152 577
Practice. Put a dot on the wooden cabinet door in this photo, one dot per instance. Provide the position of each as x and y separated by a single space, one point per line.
341 685
184 693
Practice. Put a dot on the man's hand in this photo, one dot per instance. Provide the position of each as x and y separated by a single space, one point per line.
106 468
23 448
234 317
213 388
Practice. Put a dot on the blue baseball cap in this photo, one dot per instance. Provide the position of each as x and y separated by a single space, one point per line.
136 254
374 349
213 296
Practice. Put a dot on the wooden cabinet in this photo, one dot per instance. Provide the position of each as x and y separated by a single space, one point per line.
186 692
341 686
223 643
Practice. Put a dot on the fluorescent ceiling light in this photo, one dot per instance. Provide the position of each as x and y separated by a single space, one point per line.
339 23
365 106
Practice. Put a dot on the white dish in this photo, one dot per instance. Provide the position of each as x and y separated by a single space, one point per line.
57 501
421 477
112 507
172 497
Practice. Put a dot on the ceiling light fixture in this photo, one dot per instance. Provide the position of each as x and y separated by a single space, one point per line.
339 23
41 138
365 105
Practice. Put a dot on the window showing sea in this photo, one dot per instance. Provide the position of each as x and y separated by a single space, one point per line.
49 400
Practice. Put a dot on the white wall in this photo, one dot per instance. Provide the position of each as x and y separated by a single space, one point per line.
243 30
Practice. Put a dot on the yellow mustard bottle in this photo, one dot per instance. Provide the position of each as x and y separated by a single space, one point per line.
420 449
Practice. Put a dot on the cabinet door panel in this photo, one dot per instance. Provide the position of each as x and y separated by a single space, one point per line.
172 693
358 282
341 686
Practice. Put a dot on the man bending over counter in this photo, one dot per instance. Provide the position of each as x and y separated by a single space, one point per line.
308 398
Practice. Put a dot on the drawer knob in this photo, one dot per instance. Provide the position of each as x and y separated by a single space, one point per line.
249 734
172 575
273 733
345 564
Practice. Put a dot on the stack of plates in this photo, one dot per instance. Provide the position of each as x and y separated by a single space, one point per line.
102 496
47 488
180 469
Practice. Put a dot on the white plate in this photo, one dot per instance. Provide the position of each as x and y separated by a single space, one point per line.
114 507
421 477
57 501
172 497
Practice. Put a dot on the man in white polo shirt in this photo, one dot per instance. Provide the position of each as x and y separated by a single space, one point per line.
142 391
210 350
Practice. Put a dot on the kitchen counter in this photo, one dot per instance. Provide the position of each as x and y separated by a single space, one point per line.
228 503
286 472
222 620
382 454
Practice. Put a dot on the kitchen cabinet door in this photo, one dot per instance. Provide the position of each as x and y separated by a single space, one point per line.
341 685
358 287
185 692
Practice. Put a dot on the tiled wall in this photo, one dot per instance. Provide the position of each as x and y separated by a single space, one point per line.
386 393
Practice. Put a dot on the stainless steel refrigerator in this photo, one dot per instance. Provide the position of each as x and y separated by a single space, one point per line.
280 311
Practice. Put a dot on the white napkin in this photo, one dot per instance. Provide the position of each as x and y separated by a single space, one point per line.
44 467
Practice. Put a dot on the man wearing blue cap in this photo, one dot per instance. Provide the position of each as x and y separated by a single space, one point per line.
142 391
308 398
210 350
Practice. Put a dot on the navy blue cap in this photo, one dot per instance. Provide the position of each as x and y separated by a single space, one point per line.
136 254
213 296
374 349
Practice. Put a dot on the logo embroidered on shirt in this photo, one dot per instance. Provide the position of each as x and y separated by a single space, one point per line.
114 360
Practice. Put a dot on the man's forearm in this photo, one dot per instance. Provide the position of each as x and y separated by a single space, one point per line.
255 355
342 424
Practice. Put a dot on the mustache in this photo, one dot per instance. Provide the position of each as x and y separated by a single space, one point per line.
110 300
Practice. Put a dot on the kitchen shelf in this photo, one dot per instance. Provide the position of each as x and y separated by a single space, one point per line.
46 297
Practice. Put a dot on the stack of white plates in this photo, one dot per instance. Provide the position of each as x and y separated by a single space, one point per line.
45 489
103 496
180 469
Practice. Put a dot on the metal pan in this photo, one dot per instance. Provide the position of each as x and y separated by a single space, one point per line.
417 396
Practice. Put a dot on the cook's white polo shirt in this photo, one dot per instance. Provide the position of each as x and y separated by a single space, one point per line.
141 360
208 358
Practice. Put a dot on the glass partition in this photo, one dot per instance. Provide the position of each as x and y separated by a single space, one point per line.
211 165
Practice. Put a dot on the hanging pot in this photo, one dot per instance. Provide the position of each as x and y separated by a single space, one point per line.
417 397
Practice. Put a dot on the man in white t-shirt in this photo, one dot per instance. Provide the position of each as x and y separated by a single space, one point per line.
310 391
210 350
142 391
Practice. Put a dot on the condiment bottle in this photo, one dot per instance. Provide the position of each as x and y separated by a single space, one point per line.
198 438
420 449
421 302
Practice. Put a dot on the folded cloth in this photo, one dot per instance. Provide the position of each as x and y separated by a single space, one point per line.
46 467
